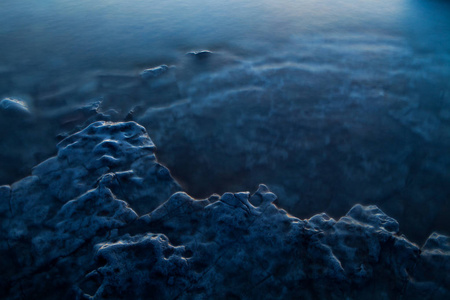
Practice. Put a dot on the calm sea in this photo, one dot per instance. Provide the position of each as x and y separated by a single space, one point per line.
329 102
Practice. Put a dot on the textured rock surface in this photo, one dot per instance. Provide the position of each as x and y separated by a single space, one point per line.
93 222
242 246
28 136
321 136
28 127
51 219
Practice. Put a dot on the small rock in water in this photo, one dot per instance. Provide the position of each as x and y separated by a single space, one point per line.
14 106
203 54
154 72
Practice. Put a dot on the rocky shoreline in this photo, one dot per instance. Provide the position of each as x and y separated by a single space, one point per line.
103 219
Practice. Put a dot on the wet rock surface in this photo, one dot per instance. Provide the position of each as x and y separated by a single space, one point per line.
30 128
321 147
52 219
323 133
103 220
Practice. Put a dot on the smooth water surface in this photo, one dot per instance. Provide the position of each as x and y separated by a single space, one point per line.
330 103
61 34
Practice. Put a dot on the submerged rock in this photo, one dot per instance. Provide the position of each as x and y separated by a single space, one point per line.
154 72
202 54
87 225
14 106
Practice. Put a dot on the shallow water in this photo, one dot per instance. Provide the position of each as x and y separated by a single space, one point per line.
331 103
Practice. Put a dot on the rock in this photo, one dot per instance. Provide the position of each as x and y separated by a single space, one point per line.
203 54
437 242
372 215
321 221
432 270
122 149
5 199
27 141
235 249
154 72
91 216
55 216
96 222
14 107
160 269
272 121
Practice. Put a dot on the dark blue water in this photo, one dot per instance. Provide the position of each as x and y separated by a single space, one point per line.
122 34
331 103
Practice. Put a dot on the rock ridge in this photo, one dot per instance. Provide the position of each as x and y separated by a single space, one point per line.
104 220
